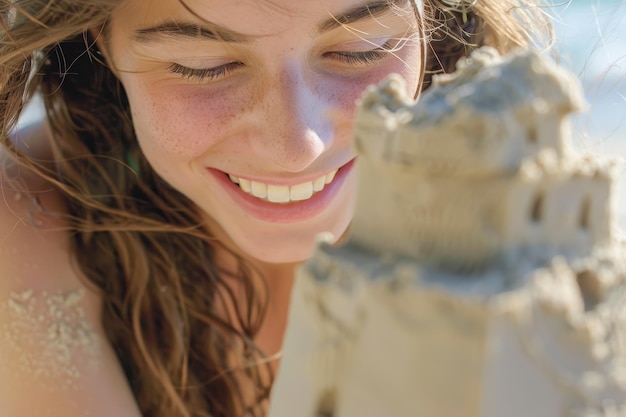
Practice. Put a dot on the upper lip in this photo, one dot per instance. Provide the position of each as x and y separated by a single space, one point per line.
286 181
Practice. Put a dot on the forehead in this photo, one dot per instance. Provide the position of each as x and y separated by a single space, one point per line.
258 17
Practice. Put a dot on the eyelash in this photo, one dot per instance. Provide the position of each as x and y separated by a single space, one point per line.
363 57
204 74
212 74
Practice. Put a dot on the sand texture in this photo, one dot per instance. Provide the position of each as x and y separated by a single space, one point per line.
484 275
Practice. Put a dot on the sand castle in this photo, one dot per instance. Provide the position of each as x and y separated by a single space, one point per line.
483 275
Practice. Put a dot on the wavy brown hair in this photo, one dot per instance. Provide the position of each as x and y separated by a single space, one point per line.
140 242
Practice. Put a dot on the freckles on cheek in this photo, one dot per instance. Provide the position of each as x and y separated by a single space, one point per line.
181 121
344 93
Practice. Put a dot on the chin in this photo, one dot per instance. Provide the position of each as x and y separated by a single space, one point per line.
281 252
284 256
287 248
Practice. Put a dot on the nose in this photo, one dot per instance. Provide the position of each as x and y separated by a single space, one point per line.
296 128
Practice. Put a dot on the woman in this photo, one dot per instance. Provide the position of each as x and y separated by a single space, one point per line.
191 151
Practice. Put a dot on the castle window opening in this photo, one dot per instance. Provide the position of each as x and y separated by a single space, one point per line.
585 212
327 403
533 136
536 209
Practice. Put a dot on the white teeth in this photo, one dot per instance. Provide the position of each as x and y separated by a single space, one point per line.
278 193
302 191
318 184
283 193
245 185
259 189
330 177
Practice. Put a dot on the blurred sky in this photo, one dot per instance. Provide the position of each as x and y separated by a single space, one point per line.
591 38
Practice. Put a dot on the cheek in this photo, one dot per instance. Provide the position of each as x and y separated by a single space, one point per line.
181 121
344 93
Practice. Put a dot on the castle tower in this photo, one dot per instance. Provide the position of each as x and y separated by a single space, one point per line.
480 165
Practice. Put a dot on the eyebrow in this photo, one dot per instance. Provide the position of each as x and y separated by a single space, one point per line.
214 32
175 30
368 10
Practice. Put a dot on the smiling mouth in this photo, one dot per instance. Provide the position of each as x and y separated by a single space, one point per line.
283 193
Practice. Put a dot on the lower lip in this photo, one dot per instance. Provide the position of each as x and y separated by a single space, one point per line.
289 212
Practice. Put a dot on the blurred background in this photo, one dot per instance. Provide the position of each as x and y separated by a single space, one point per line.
591 40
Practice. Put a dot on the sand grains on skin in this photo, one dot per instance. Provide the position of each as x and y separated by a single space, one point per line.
49 335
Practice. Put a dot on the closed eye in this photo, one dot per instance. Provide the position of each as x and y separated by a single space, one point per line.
204 74
358 58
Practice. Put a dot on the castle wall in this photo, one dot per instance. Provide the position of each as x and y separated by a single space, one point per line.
356 321
442 220
374 336
464 223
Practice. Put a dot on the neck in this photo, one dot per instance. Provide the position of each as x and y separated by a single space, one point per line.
279 280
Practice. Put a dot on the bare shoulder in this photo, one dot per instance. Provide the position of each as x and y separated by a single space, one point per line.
54 357
32 238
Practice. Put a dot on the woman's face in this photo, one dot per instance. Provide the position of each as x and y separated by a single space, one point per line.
246 106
